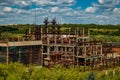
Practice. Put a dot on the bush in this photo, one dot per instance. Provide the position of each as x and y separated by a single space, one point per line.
17 71
91 76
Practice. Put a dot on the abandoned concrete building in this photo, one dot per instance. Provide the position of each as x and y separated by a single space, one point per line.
49 46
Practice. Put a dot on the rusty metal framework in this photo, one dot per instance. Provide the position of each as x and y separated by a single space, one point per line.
74 48
49 46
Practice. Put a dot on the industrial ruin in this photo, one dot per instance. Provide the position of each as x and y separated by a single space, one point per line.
49 46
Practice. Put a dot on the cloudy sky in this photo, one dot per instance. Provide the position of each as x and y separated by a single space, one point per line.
65 11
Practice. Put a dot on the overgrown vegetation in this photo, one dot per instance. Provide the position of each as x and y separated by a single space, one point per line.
17 71
97 32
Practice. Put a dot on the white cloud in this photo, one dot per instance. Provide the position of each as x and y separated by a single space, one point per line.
54 9
90 10
59 9
101 1
1 13
43 2
70 1
105 6
109 2
21 11
24 3
52 2
105 11
21 3
116 10
102 17
7 9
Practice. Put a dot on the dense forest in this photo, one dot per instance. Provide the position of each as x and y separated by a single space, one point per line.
97 32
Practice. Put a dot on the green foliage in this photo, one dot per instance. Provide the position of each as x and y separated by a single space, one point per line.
11 31
91 76
17 71
7 29
105 38
6 35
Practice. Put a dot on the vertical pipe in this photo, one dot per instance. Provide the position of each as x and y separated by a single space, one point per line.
30 58
88 34
7 54
48 51
77 52
83 37
40 56
69 36
101 53
19 52
41 33
30 61
85 58
73 54
42 60
46 35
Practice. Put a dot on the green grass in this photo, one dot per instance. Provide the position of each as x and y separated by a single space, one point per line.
17 71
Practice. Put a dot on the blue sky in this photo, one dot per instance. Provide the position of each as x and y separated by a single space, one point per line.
65 11
84 3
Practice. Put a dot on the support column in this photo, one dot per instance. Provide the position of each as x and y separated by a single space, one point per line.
48 51
42 60
7 54
85 58
30 60
19 52
40 57
101 54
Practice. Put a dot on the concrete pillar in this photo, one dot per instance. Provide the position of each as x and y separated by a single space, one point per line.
7 54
